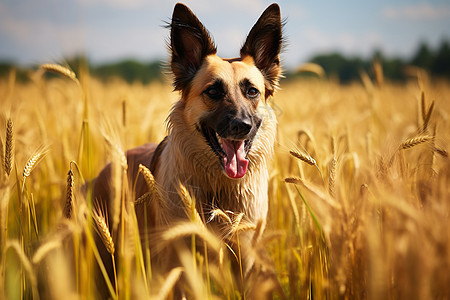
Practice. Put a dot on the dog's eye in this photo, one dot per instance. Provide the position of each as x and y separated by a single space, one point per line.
252 92
213 93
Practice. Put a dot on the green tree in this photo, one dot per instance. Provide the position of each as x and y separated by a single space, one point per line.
423 57
441 64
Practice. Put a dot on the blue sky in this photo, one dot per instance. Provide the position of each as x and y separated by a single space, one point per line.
35 32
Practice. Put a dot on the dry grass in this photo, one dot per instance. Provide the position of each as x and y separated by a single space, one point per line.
375 226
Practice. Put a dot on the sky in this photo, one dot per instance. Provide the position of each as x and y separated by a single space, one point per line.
36 32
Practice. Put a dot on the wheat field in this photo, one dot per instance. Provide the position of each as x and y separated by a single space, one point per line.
359 192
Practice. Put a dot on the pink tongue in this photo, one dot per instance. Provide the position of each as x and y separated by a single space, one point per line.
235 162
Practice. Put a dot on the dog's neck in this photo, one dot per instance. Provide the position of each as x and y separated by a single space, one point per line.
190 161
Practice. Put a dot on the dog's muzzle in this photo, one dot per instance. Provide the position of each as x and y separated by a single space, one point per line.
231 140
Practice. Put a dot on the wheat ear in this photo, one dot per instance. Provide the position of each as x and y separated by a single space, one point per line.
9 147
61 70
332 177
103 230
409 143
303 157
31 164
220 214
151 182
68 207
189 204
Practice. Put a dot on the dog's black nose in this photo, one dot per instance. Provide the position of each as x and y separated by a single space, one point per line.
239 128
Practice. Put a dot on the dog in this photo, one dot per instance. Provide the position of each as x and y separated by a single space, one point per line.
221 133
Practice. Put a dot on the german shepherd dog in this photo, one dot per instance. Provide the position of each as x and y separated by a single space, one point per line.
220 133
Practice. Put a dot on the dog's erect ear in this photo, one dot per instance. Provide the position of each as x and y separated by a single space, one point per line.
263 44
190 42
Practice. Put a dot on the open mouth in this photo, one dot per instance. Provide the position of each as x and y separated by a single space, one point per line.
232 153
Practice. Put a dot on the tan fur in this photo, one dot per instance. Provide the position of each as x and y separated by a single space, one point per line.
185 157
188 159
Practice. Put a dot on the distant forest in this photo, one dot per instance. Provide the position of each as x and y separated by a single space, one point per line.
346 69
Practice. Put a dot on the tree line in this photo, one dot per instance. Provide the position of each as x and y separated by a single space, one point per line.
336 65
346 69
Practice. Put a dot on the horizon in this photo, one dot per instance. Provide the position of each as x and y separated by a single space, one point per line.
109 31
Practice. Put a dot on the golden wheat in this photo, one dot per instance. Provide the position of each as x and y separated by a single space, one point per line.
151 183
145 198
312 68
218 213
409 143
344 252
32 162
103 230
183 230
189 205
68 207
44 250
378 71
9 147
303 157
117 151
2 155
169 283
61 70
26 264
332 177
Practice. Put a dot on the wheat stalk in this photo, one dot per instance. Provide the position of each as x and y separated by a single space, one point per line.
409 143
4 202
103 230
441 152
427 118
2 154
312 68
61 70
244 226
9 147
303 157
154 192
237 221
378 71
189 204
169 283
221 214
26 264
118 179
188 229
293 180
117 150
332 177
31 164
423 105
124 113
69 195
143 199
44 250
258 231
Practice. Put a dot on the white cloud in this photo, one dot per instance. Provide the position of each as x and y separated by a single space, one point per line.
422 11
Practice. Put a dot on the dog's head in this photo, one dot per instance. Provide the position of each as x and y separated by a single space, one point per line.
221 96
